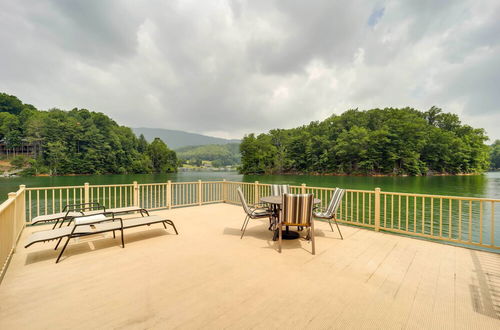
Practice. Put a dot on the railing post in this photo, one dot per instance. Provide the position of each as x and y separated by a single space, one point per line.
377 209
23 216
224 191
12 195
303 188
256 192
200 197
86 193
169 194
136 194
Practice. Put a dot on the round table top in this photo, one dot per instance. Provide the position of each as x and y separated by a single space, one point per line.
277 200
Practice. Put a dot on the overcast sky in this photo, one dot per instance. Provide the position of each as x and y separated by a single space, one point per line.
227 68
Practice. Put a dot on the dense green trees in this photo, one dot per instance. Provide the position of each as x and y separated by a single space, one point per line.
495 155
162 159
379 141
77 141
219 154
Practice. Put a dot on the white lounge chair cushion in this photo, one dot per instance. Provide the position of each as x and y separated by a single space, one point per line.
89 219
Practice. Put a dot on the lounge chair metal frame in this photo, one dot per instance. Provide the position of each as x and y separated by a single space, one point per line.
97 226
69 212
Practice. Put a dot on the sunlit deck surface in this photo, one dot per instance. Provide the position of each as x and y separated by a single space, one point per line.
208 278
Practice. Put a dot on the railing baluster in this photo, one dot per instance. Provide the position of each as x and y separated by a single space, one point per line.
492 225
399 212
407 213
470 221
459 220
423 215
432 218
481 222
450 212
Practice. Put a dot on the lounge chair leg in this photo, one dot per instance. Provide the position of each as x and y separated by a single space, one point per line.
114 235
55 224
62 251
164 225
58 242
123 238
147 212
170 222
330 223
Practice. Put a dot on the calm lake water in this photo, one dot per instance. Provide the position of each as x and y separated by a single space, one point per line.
486 185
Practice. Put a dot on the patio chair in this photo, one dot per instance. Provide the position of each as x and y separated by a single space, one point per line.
94 224
252 212
280 189
297 211
330 212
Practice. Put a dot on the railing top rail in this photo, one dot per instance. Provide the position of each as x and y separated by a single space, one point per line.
6 204
57 187
465 198
111 185
441 196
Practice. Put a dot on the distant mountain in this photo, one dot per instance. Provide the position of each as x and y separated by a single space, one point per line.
178 139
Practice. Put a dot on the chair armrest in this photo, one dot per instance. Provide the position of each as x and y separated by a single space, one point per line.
260 205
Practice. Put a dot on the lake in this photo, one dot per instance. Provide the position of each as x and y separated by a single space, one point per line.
486 185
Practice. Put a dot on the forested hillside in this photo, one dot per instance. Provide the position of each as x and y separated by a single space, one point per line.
78 142
219 154
378 141
179 139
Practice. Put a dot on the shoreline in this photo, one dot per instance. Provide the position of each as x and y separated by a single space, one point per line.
372 175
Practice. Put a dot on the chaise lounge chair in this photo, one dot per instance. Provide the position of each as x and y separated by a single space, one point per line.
94 224
74 210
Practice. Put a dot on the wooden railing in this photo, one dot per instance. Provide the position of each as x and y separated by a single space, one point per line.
468 221
12 222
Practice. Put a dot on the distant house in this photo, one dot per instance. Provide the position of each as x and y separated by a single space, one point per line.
24 149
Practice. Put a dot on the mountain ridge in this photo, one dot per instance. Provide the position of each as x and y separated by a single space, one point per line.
176 139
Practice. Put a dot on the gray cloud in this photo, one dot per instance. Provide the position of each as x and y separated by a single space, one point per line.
234 67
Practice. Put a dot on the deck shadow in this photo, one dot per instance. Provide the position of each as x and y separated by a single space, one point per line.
87 245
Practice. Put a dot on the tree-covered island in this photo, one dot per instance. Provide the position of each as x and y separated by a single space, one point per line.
374 142
76 142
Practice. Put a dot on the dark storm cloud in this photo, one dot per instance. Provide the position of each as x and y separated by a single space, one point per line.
233 67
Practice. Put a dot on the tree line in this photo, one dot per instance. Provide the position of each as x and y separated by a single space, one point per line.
78 141
495 155
219 154
387 141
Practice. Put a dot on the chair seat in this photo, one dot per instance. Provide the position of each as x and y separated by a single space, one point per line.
322 215
261 213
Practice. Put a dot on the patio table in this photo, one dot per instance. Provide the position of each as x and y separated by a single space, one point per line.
275 202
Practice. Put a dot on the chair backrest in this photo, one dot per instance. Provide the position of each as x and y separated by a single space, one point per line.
297 209
243 201
335 202
280 189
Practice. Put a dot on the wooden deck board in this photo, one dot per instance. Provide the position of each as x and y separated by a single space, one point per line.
208 278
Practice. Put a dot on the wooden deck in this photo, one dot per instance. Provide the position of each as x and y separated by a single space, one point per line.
208 278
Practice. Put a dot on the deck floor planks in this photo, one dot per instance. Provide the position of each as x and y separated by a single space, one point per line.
208 277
